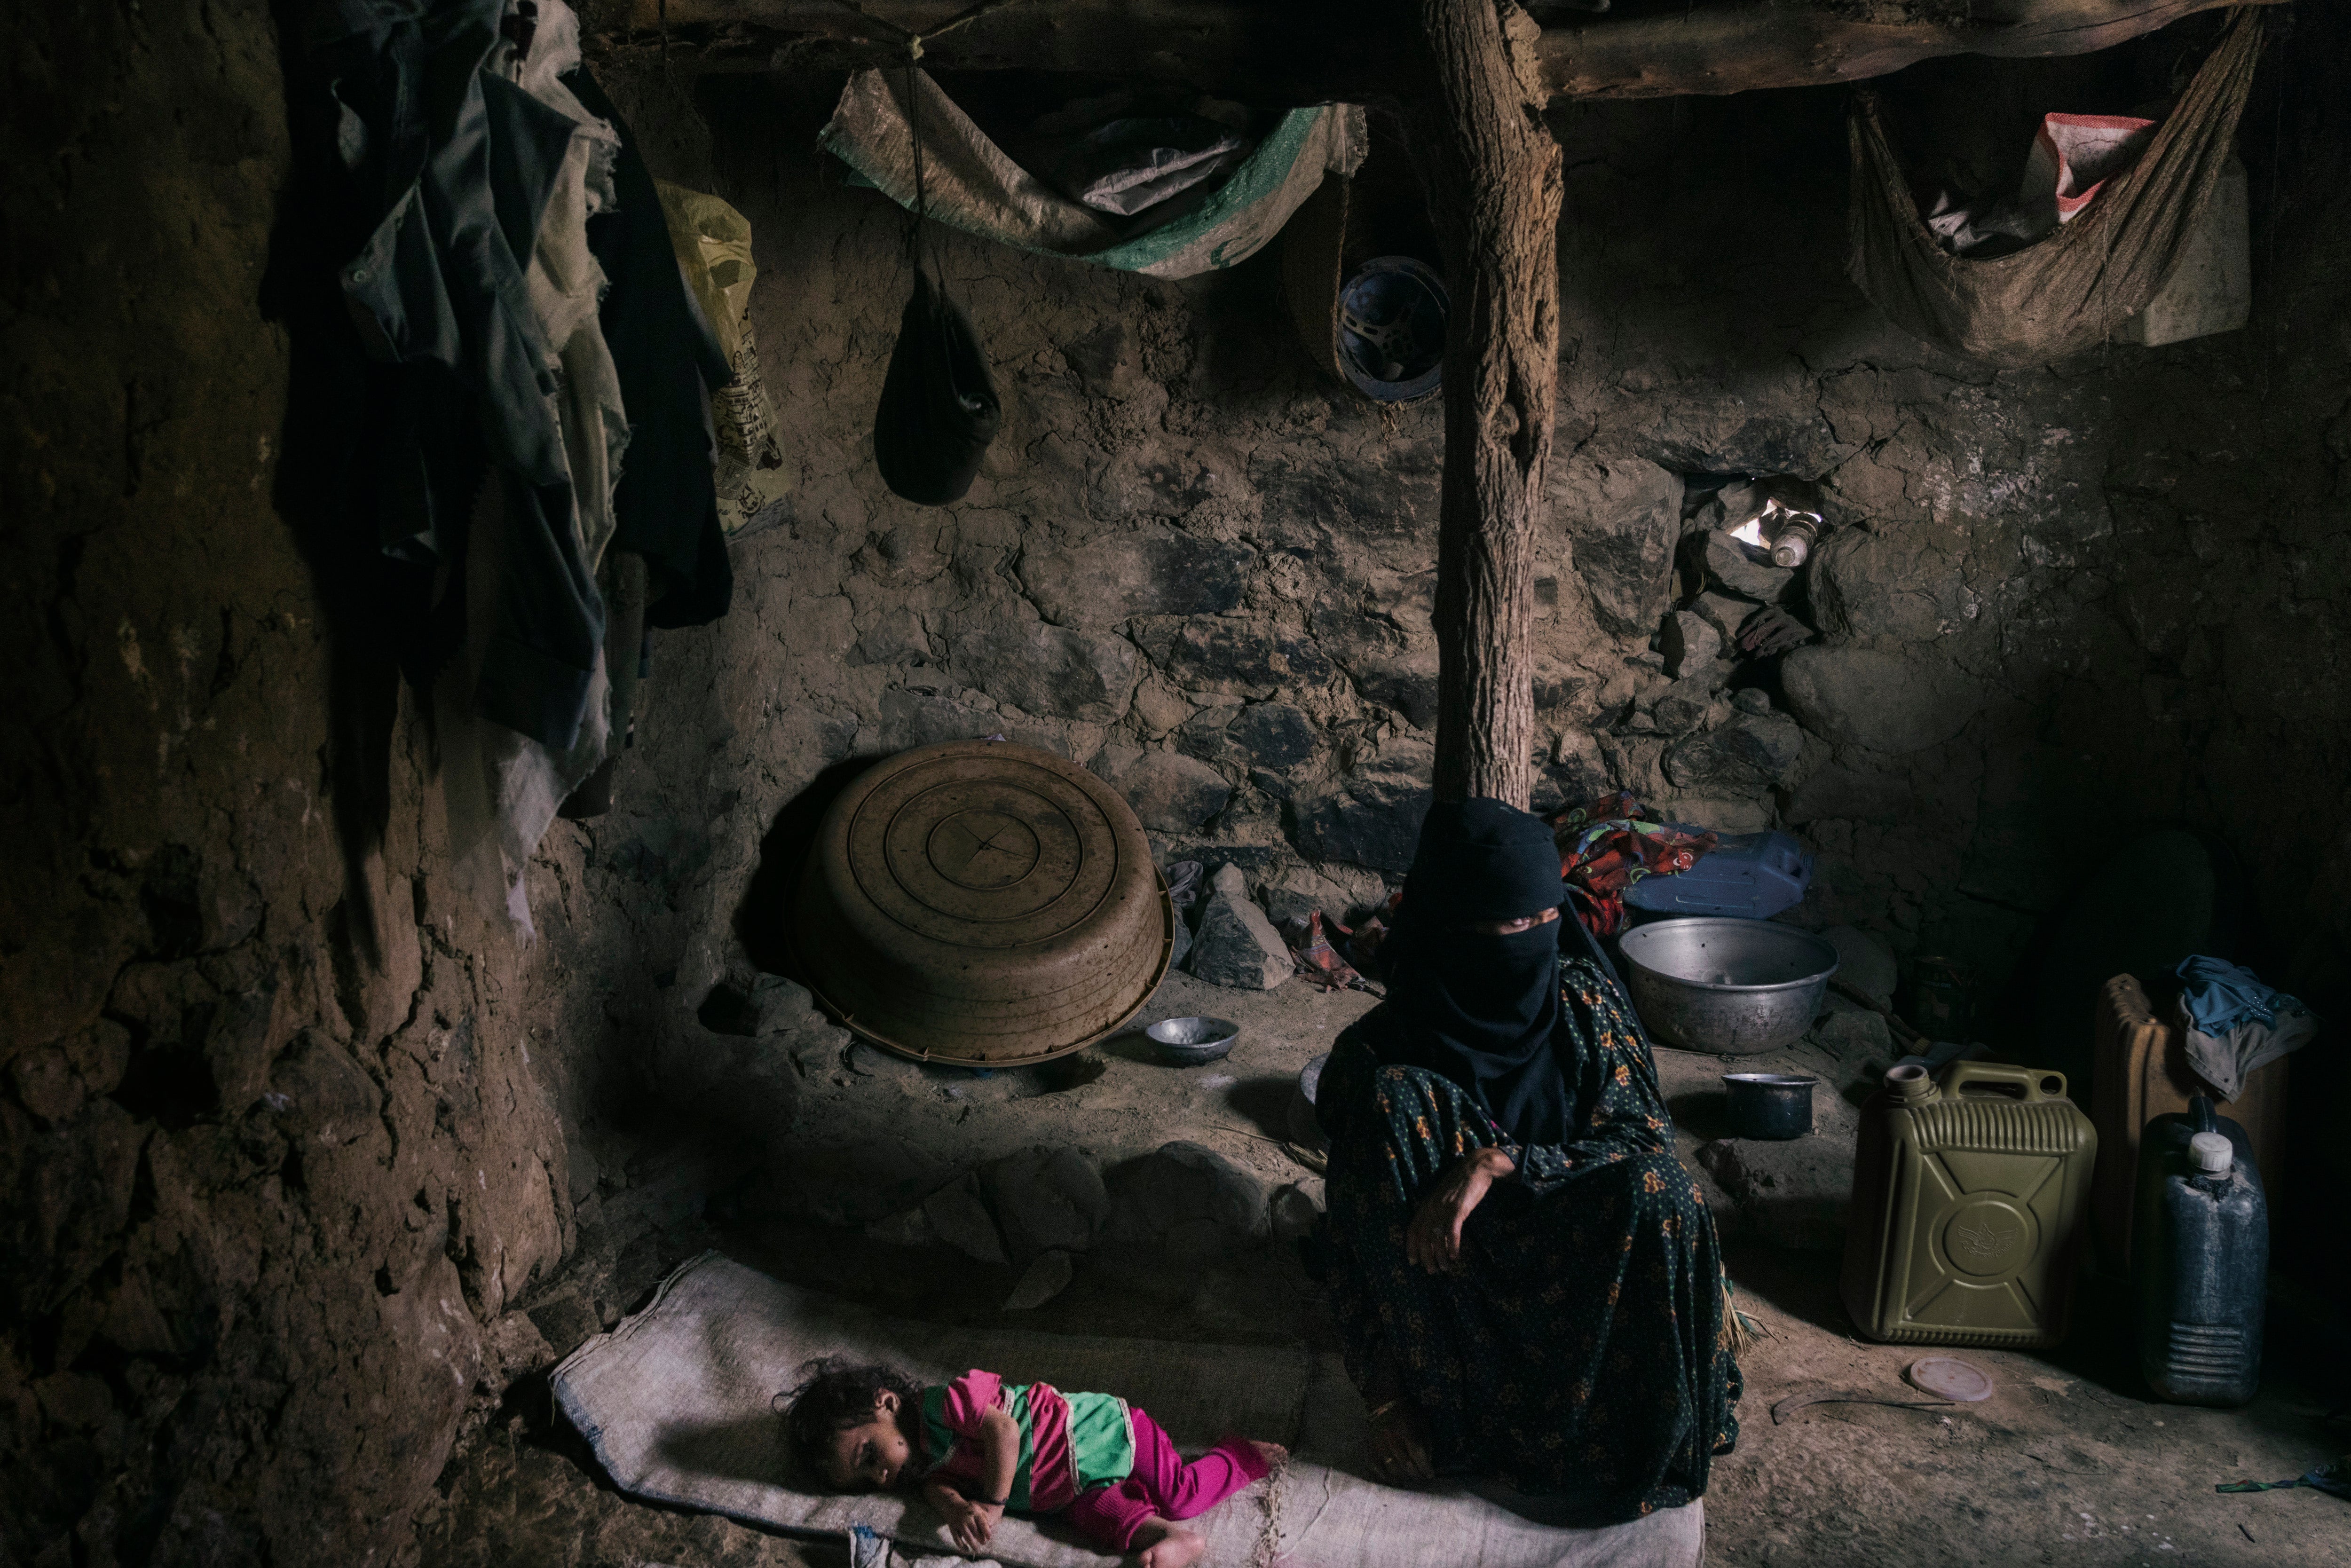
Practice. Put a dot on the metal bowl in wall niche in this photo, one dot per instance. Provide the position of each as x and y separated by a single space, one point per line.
981 902
1729 986
1392 328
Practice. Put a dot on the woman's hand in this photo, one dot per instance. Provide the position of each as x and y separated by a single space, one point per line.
1433 1239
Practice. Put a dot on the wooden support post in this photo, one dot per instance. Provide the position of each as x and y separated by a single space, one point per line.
1492 170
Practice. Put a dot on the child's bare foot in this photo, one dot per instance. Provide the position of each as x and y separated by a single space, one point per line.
1274 1455
1400 1445
1170 1545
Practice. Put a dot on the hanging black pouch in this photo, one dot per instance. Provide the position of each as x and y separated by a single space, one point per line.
939 409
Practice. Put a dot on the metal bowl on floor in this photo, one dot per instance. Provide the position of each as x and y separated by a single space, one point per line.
1305 1129
1770 1104
1727 985
1187 1042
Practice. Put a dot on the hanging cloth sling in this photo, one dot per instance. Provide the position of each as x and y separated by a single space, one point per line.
938 408
2071 290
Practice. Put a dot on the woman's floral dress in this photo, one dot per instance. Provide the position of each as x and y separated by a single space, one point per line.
1579 1352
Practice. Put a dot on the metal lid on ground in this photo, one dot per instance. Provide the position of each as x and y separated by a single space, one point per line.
982 901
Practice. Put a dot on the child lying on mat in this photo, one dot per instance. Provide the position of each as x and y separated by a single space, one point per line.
980 1445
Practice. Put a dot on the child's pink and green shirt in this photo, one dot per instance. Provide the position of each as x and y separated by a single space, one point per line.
1069 1442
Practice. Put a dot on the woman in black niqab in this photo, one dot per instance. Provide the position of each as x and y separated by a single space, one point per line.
1526 1278
1472 1003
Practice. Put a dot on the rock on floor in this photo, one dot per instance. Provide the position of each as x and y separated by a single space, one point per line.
1046 1200
1793 1193
1236 945
1047 1276
1853 1033
1181 1203
961 1219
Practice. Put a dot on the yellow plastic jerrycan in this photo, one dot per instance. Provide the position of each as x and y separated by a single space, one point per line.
1970 1206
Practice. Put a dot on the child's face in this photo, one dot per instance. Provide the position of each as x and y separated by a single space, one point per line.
874 1455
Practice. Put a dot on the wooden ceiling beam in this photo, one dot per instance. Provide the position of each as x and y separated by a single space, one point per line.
1738 48
1307 51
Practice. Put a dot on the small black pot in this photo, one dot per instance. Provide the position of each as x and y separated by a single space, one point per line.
1770 1104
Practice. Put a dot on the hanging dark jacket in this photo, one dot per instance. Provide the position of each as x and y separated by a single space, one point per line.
451 164
666 508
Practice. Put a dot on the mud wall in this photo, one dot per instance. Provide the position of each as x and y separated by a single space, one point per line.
279 1149
292 1131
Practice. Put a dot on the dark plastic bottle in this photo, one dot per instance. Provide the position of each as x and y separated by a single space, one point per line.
2201 1257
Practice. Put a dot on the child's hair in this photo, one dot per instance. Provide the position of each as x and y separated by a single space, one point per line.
834 1392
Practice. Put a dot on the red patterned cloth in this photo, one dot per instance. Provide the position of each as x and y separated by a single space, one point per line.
1315 957
1607 845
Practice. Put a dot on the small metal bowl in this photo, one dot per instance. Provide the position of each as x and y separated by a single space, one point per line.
1187 1042
1770 1104
1304 1130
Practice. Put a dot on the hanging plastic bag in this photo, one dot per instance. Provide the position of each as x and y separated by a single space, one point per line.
939 409
713 242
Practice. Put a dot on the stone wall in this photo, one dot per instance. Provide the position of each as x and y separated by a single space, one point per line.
292 1131
2056 605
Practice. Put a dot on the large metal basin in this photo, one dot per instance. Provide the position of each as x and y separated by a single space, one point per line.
1731 987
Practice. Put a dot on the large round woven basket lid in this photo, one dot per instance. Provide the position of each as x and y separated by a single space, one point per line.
982 901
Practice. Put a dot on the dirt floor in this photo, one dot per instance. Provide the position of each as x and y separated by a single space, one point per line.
2065 1463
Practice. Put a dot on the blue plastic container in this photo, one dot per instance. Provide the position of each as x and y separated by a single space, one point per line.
1752 876
2200 1257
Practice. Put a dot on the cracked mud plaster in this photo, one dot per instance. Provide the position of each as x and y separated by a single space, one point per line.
297 1132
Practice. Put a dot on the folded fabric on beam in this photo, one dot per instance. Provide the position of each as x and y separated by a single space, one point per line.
973 185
